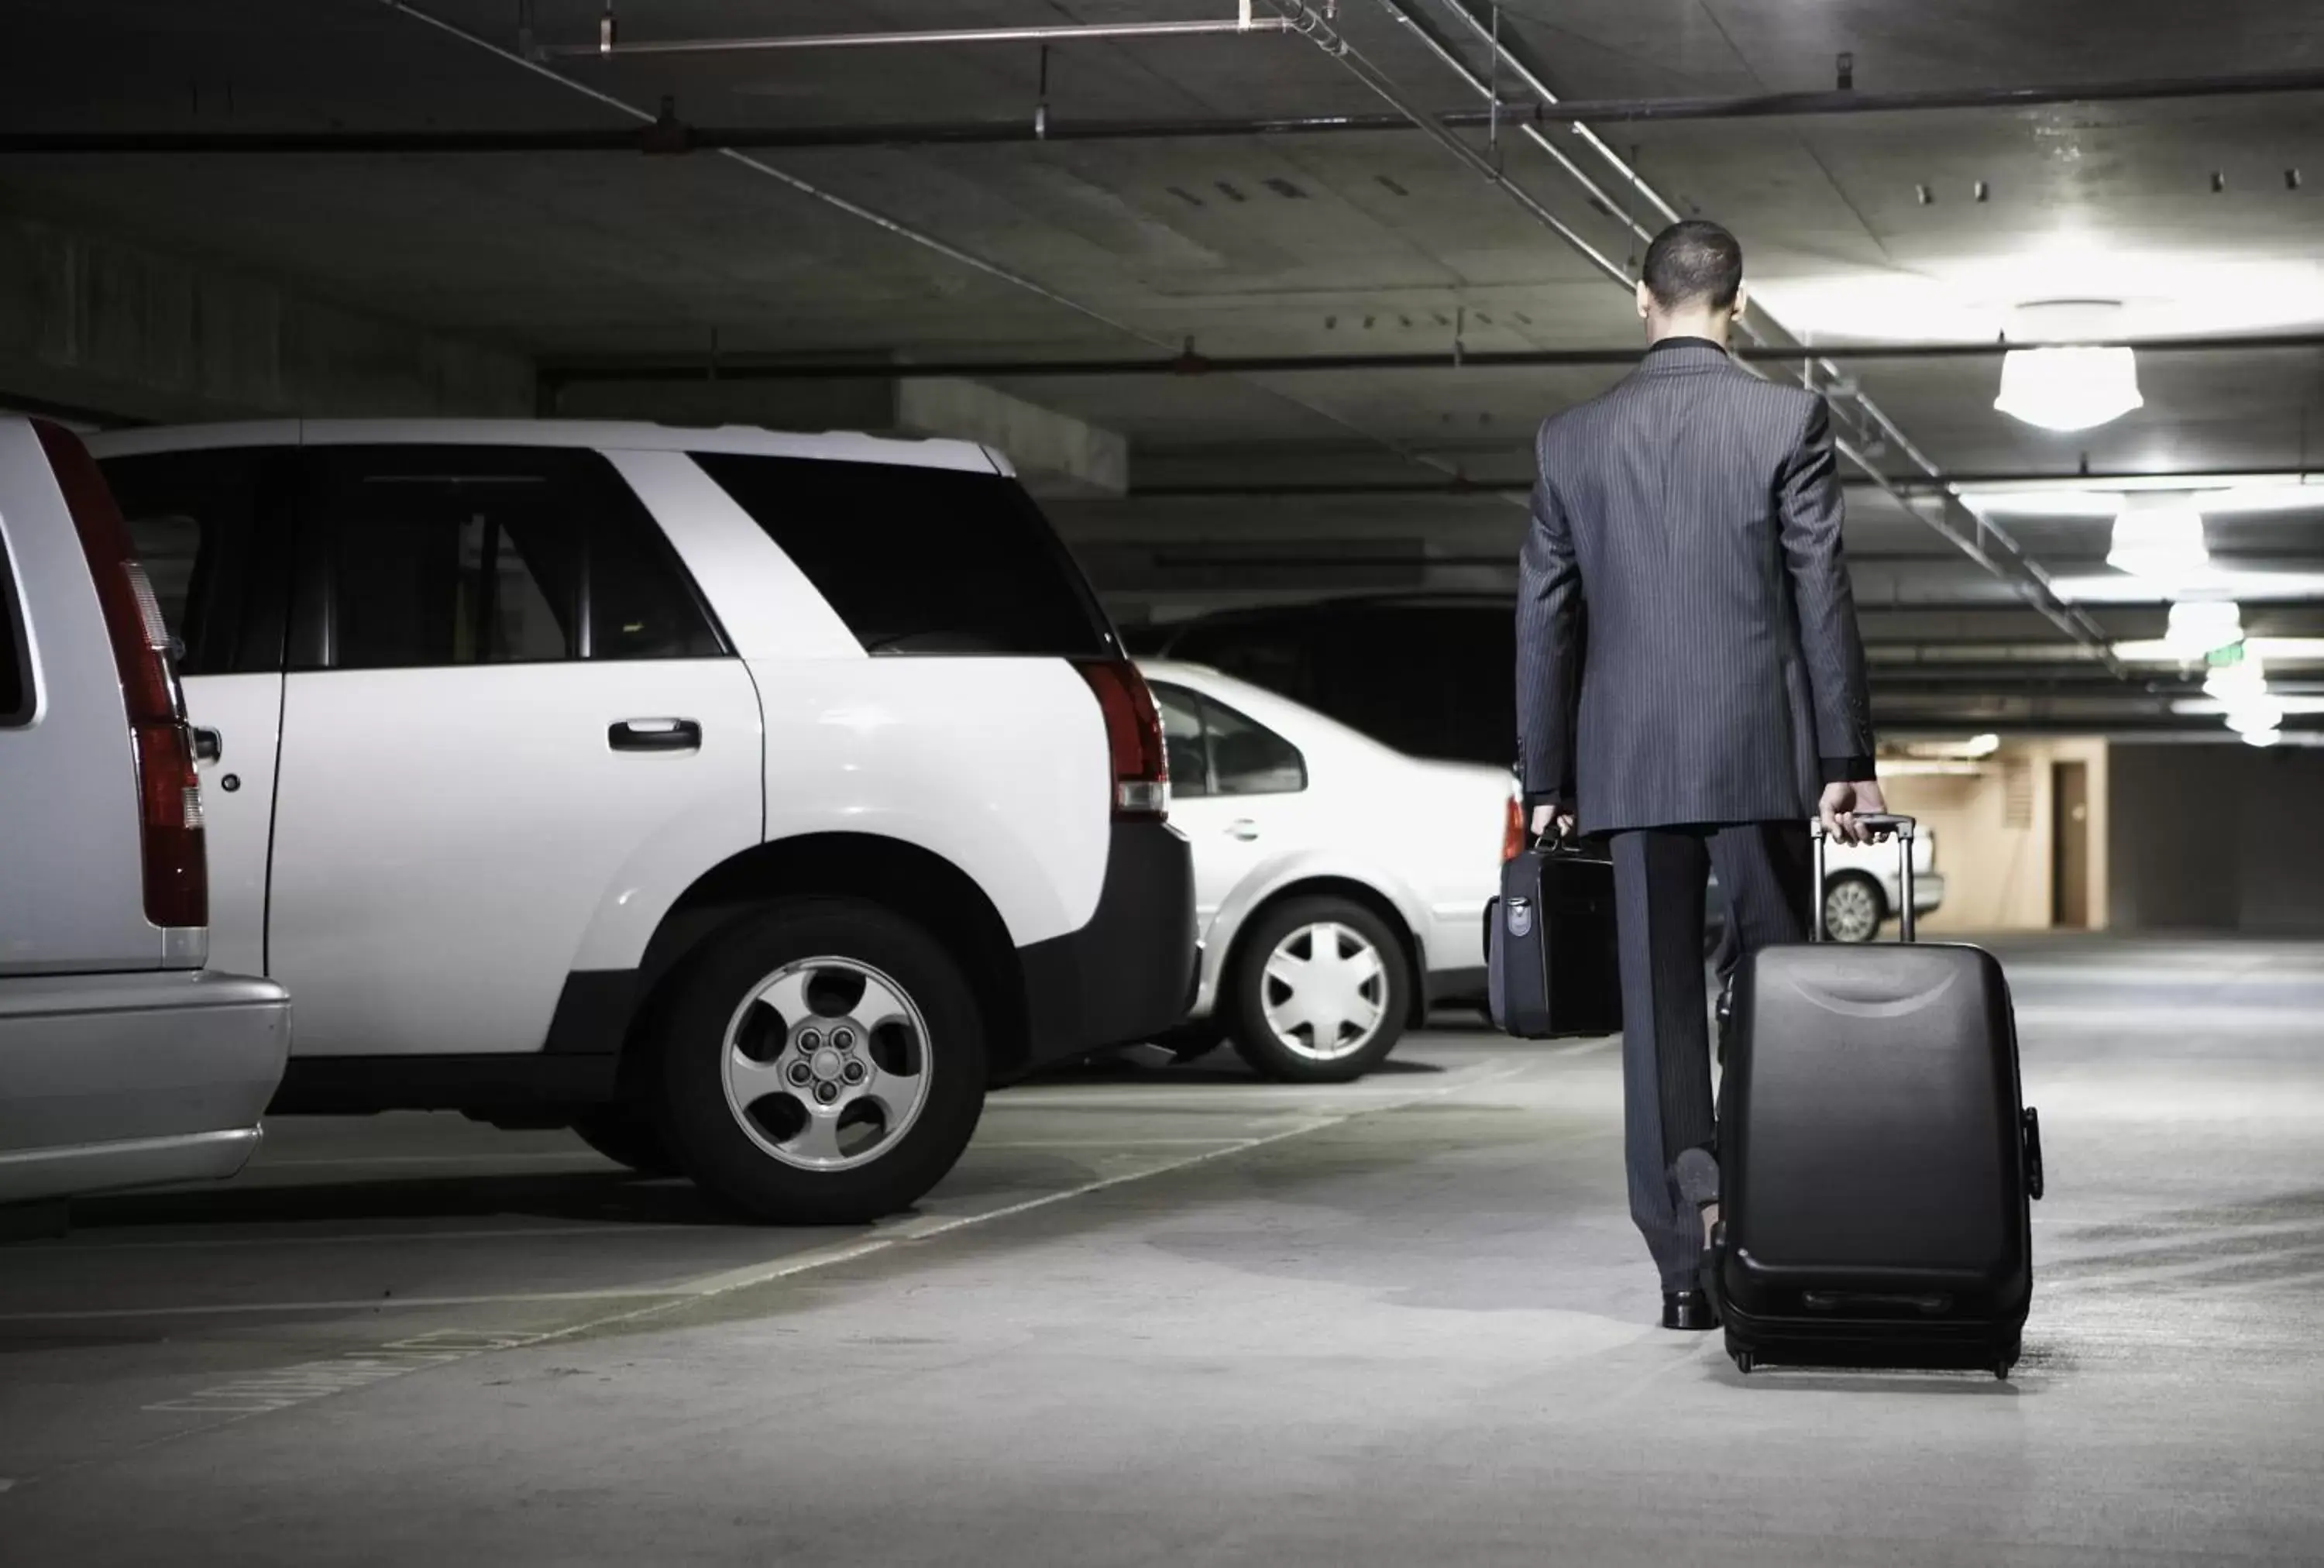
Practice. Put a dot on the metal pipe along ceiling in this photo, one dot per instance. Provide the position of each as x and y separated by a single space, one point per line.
745 368
1059 32
1574 115
1974 534
904 231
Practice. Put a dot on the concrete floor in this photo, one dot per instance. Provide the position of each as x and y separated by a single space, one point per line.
1180 1316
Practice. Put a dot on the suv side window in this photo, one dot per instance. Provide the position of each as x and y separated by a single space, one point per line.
1247 757
448 556
16 703
1182 741
206 527
921 560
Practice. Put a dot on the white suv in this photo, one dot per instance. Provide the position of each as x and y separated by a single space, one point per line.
747 801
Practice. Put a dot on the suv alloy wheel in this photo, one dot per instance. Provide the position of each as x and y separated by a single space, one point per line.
821 1063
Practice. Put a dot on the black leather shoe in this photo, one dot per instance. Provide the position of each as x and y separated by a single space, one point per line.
1689 1309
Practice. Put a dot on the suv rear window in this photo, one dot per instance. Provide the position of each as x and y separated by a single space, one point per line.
921 560
15 663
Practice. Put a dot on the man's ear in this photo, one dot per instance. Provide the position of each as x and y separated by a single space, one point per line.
1646 301
1742 300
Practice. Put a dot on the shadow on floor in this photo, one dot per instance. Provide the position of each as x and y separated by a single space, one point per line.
613 1197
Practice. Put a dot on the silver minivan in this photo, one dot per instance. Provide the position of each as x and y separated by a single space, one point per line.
124 1061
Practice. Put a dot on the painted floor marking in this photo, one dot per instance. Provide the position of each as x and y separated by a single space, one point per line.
284 1387
242 1400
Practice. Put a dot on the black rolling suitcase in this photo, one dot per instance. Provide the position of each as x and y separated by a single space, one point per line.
1875 1158
1550 944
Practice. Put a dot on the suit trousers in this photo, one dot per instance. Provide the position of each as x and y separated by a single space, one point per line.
1660 876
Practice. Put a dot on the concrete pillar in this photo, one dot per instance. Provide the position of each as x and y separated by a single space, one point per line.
98 325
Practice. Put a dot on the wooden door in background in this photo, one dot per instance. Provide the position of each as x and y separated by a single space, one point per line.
2070 846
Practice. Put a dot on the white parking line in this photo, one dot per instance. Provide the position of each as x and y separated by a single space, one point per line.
561 1156
354 1238
246 1400
295 1385
886 1234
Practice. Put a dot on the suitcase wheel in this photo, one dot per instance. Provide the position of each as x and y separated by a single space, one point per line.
2001 1370
1744 1361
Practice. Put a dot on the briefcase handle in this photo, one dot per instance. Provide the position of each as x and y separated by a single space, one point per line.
1888 822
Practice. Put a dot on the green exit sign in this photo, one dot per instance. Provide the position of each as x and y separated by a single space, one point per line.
2219 657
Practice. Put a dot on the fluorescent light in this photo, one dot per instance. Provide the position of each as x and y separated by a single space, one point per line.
2213 707
2199 626
2233 682
2219 497
1984 745
2276 650
2262 737
2160 539
2069 389
1929 768
2257 716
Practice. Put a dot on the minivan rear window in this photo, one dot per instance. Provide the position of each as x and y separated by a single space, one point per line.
921 560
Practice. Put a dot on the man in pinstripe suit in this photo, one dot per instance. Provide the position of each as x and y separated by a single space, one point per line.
1690 682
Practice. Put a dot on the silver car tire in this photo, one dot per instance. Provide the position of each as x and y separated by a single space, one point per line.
1853 907
1318 993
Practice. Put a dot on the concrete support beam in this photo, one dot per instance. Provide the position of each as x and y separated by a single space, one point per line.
1056 454
1066 454
112 329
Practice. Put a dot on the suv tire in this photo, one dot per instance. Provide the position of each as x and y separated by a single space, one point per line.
1266 1011
821 1063
621 1135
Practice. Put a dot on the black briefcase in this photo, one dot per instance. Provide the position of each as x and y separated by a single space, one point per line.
1875 1158
1550 944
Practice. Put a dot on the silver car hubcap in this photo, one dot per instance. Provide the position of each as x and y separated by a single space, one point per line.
1325 990
825 1064
1851 913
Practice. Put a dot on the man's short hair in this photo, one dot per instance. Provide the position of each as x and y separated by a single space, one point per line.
1694 259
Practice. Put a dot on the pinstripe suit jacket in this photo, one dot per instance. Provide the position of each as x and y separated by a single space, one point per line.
1687 646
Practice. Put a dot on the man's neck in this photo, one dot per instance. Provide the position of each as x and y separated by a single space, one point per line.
1714 328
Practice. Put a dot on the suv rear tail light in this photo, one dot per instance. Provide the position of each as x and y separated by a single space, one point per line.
169 793
1133 733
1513 830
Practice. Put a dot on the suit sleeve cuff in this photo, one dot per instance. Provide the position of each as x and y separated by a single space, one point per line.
1847 769
1536 798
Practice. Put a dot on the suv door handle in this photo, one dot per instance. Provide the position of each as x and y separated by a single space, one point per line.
1245 830
654 735
208 744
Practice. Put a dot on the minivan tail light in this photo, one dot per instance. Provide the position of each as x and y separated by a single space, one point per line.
169 792
1513 830
1133 734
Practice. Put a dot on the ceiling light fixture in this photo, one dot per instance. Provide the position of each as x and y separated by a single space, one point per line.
2262 737
2256 718
2068 388
2200 625
2242 681
2280 649
2159 537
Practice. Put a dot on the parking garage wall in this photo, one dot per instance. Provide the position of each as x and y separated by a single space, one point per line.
125 333
2217 837
1996 824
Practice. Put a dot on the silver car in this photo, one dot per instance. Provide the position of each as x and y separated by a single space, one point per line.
124 1061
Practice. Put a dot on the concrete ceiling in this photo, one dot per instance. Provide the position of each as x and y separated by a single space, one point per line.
1319 245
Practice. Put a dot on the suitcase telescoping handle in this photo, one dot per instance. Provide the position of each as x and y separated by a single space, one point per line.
1878 822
